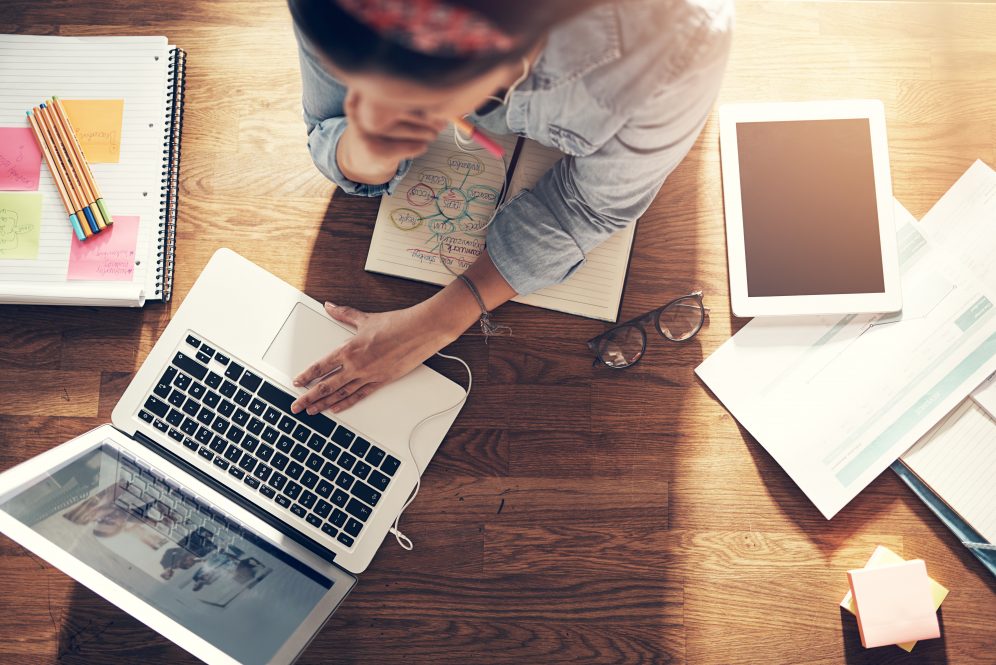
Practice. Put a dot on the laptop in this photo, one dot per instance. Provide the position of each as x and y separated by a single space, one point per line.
207 509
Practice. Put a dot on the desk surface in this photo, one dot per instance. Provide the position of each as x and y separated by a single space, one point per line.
574 514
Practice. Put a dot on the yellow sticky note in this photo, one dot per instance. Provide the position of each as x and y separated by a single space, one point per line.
97 123
20 225
883 556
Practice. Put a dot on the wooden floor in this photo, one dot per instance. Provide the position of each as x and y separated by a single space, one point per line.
574 514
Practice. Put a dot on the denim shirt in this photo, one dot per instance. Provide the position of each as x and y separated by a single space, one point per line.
623 90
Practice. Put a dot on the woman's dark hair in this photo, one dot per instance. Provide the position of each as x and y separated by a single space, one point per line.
354 47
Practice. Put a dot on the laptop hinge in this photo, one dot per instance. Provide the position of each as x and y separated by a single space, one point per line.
237 498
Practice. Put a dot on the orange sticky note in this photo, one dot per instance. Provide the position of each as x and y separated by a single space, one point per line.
883 556
893 603
97 123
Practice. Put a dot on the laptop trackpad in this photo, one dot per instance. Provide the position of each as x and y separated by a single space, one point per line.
305 336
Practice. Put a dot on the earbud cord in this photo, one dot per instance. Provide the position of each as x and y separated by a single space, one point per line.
403 540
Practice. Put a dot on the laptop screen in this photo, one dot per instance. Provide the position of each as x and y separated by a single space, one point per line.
179 555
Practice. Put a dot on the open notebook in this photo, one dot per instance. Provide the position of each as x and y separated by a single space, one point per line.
141 78
445 200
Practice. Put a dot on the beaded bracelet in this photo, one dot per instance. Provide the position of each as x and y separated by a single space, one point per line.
488 327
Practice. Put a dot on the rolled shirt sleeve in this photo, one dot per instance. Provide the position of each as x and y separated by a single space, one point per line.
323 97
541 236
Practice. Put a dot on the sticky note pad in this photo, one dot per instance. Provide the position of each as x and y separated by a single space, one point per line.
97 123
893 603
20 225
20 159
108 255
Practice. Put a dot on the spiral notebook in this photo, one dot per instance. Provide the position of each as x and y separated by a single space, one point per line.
142 78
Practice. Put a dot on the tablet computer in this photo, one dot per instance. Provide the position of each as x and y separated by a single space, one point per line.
809 210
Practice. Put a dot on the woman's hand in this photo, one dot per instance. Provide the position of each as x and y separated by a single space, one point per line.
372 146
387 345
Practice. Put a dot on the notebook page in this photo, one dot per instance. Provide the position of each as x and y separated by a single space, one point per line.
595 290
32 69
957 460
441 204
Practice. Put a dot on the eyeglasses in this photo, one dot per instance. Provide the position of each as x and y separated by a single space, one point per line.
623 346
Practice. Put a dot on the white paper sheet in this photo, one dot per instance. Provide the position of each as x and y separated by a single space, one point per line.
835 400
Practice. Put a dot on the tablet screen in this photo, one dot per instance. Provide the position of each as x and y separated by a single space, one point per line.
810 215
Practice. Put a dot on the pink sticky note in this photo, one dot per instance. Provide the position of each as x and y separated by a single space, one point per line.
20 159
894 603
109 255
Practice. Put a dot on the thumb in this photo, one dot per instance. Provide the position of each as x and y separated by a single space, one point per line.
348 315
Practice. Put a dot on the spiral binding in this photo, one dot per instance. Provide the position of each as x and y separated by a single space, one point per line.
169 185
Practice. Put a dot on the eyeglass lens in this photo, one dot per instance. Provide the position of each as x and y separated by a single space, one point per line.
681 319
622 347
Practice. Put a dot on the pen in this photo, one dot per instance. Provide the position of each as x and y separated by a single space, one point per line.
55 176
63 117
70 151
477 135
68 174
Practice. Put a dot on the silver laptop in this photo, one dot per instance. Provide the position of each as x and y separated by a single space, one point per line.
208 510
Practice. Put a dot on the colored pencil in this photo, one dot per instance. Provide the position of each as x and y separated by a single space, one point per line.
477 135
59 172
68 145
43 146
73 185
60 111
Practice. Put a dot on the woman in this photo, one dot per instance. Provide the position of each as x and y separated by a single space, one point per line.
623 88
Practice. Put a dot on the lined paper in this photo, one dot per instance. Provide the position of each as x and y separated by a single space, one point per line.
34 68
957 460
441 205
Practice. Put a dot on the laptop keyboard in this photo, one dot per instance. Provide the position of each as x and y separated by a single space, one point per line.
310 467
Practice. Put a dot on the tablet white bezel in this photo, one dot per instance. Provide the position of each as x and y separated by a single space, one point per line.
890 300
15 478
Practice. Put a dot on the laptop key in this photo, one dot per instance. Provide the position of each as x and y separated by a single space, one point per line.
309 480
294 470
390 465
250 443
190 366
255 426
360 447
203 357
302 433
262 472
285 444
241 417
211 398
193 341
271 415
279 461
346 461
233 453
282 500
316 442
353 527
228 388
345 481
315 462
191 406
238 473
203 435
206 454
298 510
257 406
213 379
293 490
176 398
345 539
219 425
205 416
332 451
270 435
265 452
267 491
164 382
235 434
190 443
342 436
248 462
176 435
300 453
307 499
220 463
286 424
378 480
207 350
339 498
277 481
251 481
361 470
330 471
222 359
375 456
365 493
218 444
234 371
226 408
146 416
330 530
197 390
242 398
325 488
314 521
160 425
322 508
174 417
338 517
250 381
358 510
156 406
182 381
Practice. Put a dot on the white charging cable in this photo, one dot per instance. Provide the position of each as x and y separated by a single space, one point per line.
403 540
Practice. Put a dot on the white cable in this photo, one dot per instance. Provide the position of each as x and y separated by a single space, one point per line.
403 540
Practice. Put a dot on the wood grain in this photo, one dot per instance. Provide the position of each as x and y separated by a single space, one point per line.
574 514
